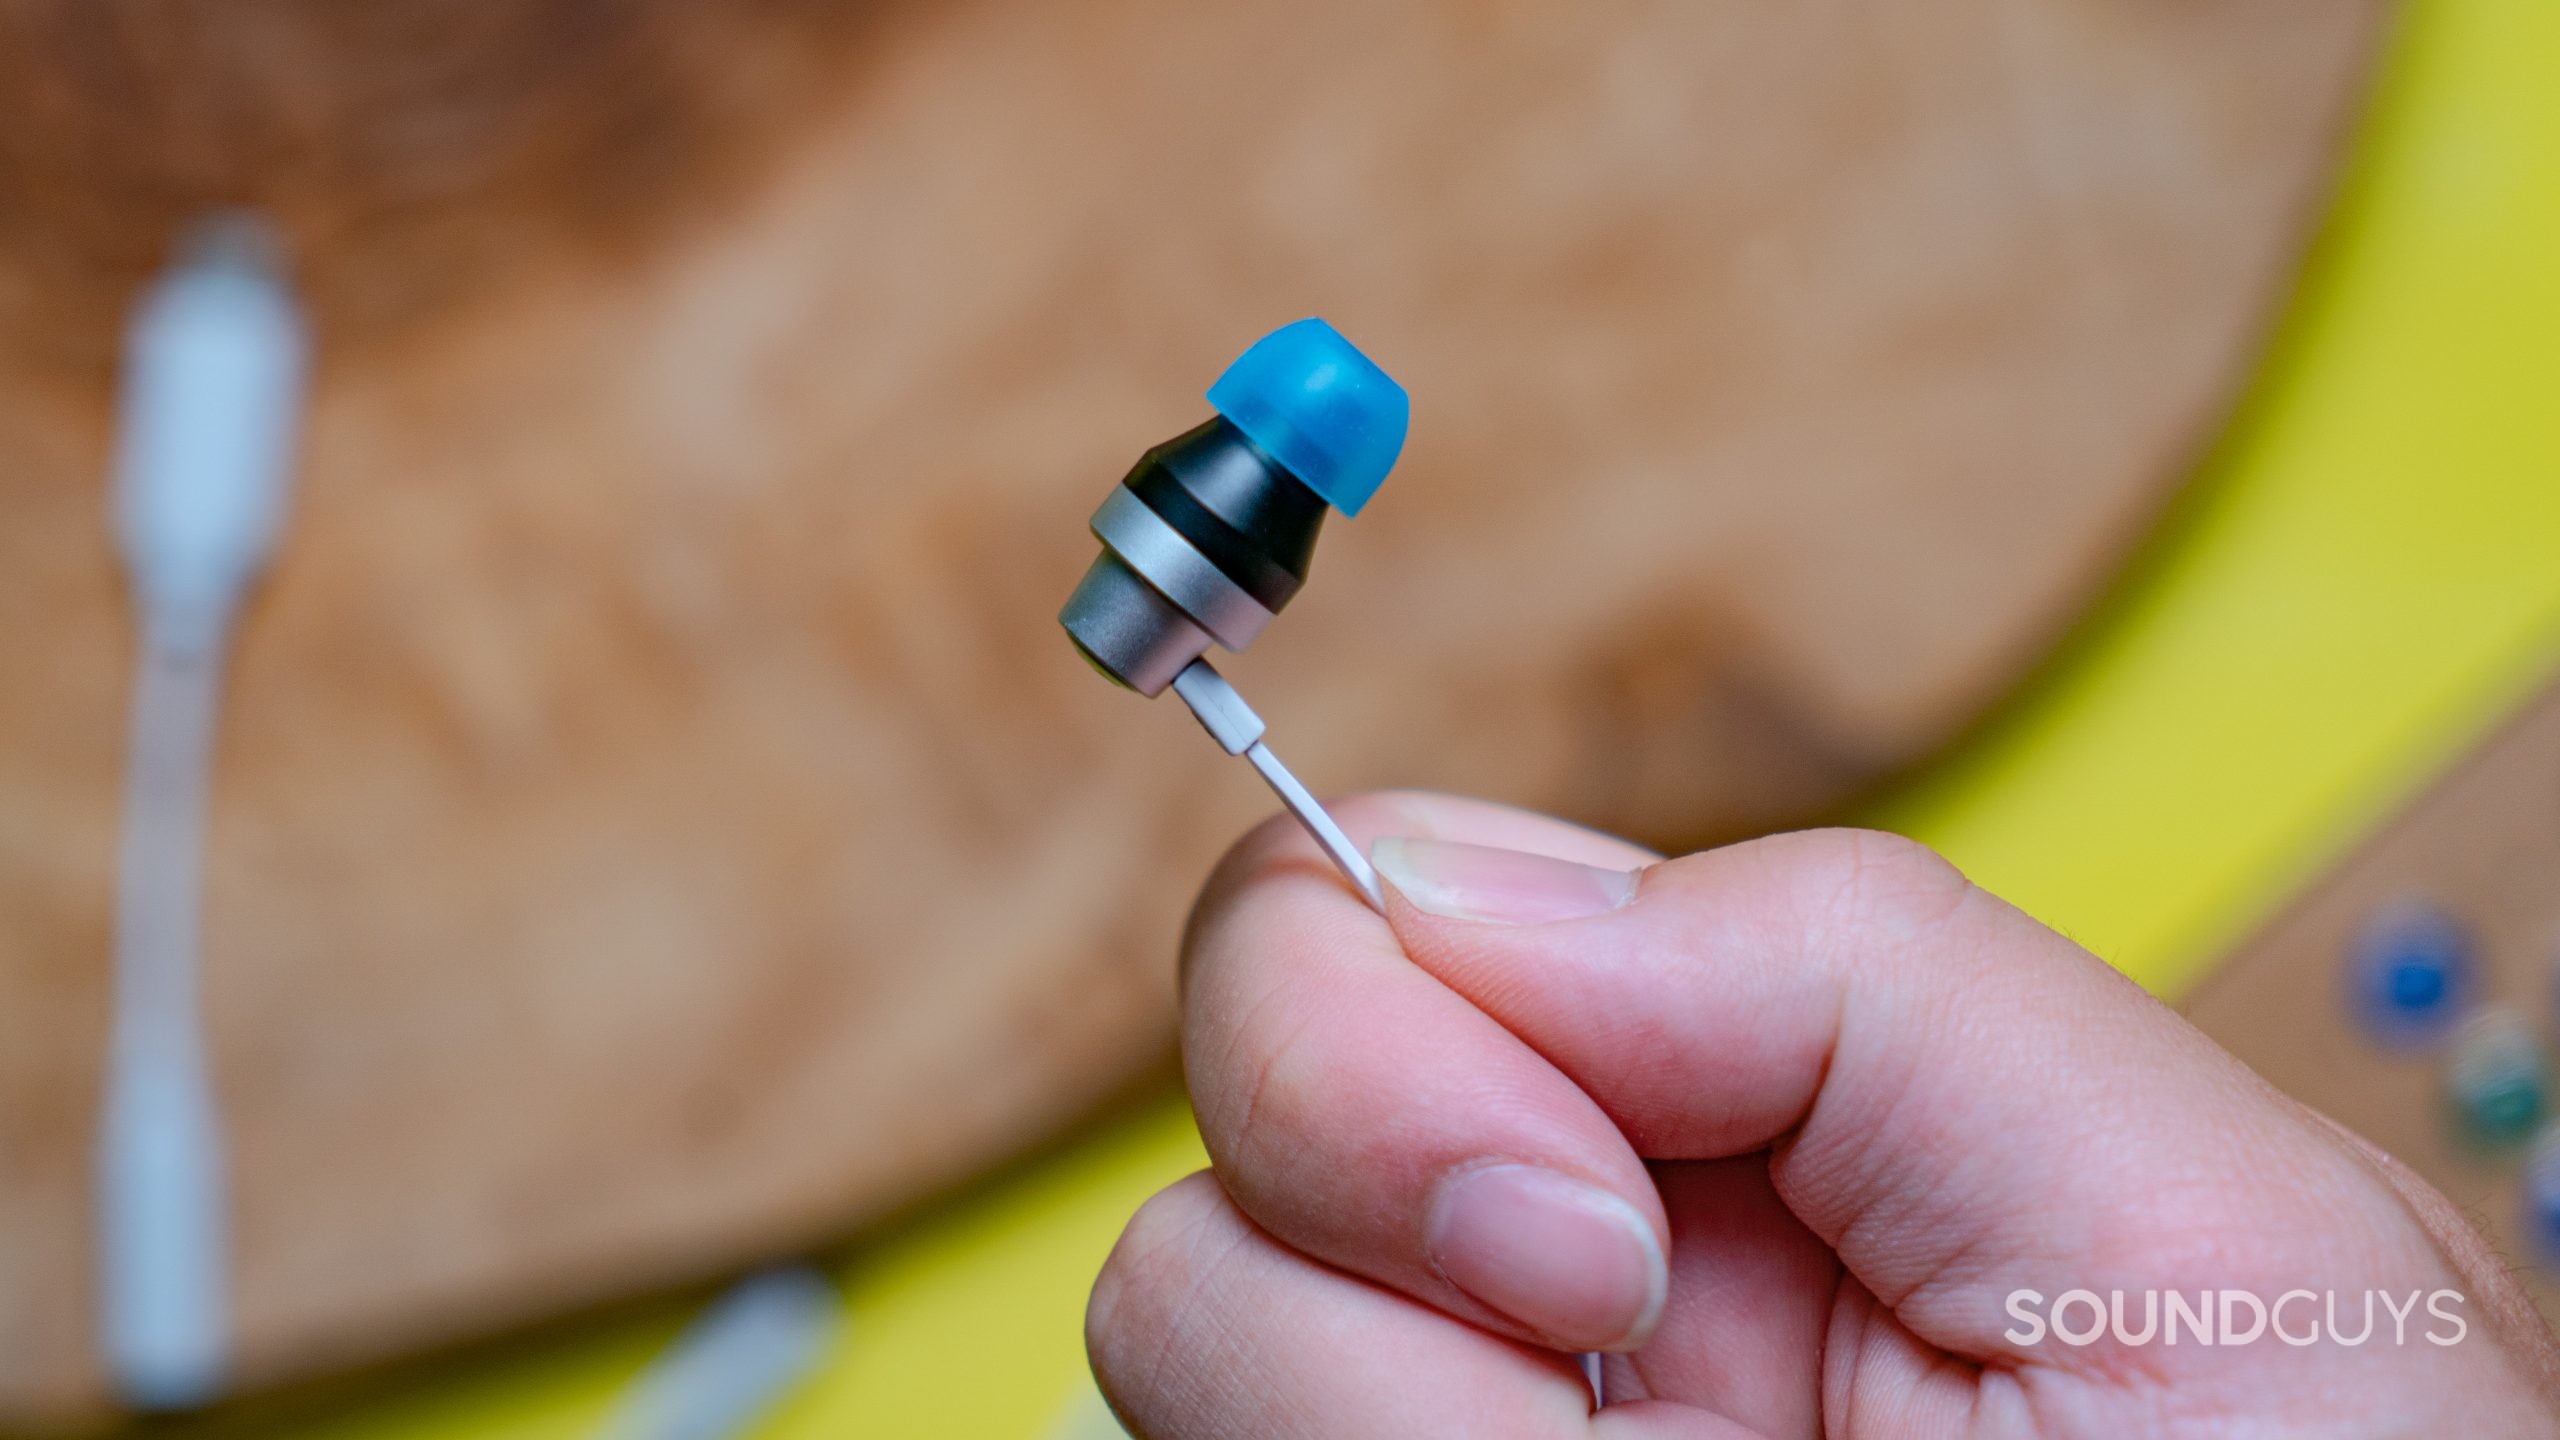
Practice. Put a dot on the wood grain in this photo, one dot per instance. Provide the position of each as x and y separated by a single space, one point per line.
658 820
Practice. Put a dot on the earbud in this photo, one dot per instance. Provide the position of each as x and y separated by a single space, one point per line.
1211 534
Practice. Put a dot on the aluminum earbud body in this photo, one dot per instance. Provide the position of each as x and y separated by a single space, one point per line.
1203 543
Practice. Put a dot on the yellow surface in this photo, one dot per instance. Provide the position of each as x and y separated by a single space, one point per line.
2368 570
2367 574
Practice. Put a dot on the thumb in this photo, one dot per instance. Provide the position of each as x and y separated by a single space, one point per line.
1957 1100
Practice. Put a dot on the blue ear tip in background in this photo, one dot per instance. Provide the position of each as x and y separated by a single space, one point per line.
1317 405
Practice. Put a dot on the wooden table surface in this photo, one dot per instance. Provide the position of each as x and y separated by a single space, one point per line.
657 821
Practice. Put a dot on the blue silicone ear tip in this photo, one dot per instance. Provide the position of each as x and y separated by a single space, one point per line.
1317 405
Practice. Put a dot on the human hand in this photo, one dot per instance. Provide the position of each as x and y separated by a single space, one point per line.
1784 1127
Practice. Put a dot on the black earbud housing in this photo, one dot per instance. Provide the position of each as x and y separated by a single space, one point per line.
1203 542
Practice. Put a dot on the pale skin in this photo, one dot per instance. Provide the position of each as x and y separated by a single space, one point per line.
1780 1128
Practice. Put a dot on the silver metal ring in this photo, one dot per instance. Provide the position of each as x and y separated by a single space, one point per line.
1157 551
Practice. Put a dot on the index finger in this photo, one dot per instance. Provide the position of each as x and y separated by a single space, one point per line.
1358 1110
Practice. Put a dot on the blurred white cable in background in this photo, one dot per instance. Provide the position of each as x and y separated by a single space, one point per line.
214 366
736 1361
1087 1417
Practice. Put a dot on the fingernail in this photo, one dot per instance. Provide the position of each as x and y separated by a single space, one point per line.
1568 1260
1478 882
